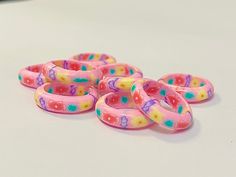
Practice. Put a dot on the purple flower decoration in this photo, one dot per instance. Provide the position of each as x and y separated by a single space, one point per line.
188 80
210 93
39 80
52 74
72 90
94 98
65 64
124 121
112 83
147 105
42 103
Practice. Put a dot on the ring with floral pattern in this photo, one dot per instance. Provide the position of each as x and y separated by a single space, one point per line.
67 99
95 59
193 89
70 71
162 104
119 111
31 76
118 78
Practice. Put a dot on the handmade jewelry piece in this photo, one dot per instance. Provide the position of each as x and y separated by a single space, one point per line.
69 71
67 99
31 76
119 110
162 104
193 89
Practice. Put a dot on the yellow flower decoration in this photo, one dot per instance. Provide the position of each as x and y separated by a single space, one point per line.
110 60
202 95
85 105
80 91
194 82
120 70
139 121
156 115
97 56
125 83
63 78
92 77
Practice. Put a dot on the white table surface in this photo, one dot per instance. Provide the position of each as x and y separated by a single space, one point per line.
160 37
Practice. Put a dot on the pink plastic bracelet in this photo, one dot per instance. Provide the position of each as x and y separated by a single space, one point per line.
69 71
67 99
94 59
31 76
118 78
119 110
162 104
193 89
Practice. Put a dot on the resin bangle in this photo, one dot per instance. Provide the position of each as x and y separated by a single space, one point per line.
119 111
67 99
162 104
193 89
31 76
69 71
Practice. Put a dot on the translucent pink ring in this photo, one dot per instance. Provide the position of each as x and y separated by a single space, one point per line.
31 76
70 71
118 78
193 89
119 111
66 99
95 59
162 104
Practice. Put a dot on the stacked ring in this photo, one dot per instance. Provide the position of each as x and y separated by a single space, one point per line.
162 104
94 59
31 76
119 110
193 89
69 71
67 99
118 78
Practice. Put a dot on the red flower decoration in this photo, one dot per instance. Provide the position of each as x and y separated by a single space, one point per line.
85 56
74 66
28 81
126 71
109 118
137 98
104 70
35 69
114 99
179 80
152 90
56 105
174 102
61 89
102 86
182 125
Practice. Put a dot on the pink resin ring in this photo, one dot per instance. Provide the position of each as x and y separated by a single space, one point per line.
31 76
70 71
193 89
67 99
118 78
94 59
162 104
119 110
